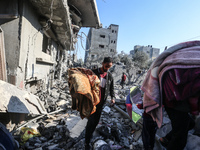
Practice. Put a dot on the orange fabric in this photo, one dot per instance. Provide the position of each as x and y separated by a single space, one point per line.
84 87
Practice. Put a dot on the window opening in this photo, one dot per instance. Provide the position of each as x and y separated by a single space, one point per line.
102 36
101 46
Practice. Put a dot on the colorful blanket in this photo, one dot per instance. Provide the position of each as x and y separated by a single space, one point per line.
132 99
183 55
84 89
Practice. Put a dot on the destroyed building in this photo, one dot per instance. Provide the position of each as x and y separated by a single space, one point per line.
36 37
101 42
149 50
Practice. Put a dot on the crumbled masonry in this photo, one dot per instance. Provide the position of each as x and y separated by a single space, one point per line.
63 129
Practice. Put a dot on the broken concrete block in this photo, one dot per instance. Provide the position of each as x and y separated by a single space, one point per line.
53 147
61 103
137 134
106 109
63 96
55 93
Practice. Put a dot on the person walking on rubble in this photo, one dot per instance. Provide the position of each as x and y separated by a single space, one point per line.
173 81
106 86
123 80
180 104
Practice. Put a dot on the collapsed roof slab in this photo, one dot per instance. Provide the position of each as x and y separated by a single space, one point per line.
58 15
55 14
87 11
15 100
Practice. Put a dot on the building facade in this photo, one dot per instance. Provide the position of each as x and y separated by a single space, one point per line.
101 42
36 40
149 50
36 36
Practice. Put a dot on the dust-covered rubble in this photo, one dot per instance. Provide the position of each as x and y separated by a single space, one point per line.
114 131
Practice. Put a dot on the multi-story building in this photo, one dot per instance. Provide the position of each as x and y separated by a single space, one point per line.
149 50
101 42
35 38
37 35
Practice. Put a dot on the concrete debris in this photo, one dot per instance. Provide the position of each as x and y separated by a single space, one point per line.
63 129
15 100
106 109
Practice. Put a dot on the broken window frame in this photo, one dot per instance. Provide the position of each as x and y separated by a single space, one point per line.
101 46
111 50
102 36
46 44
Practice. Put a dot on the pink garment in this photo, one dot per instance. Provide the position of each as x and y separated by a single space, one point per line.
182 85
183 55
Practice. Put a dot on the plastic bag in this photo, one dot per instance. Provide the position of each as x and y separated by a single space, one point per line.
28 133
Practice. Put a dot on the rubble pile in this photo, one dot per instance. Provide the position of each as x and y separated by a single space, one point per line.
58 98
136 79
53 137
115 130
118 131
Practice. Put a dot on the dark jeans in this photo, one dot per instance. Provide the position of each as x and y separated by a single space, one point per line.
181 124
122 84
148 132
93 120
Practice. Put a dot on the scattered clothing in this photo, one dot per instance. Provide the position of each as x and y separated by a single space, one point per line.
134 98
129 105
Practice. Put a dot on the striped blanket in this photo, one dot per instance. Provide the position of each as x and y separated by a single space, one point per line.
183 55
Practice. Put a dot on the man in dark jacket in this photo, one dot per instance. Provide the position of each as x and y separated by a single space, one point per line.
106 87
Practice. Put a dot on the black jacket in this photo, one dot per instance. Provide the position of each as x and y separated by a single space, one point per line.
109 83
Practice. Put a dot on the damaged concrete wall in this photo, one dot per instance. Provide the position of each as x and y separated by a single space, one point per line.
24 44
11 39
102 42
3 72
34 62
